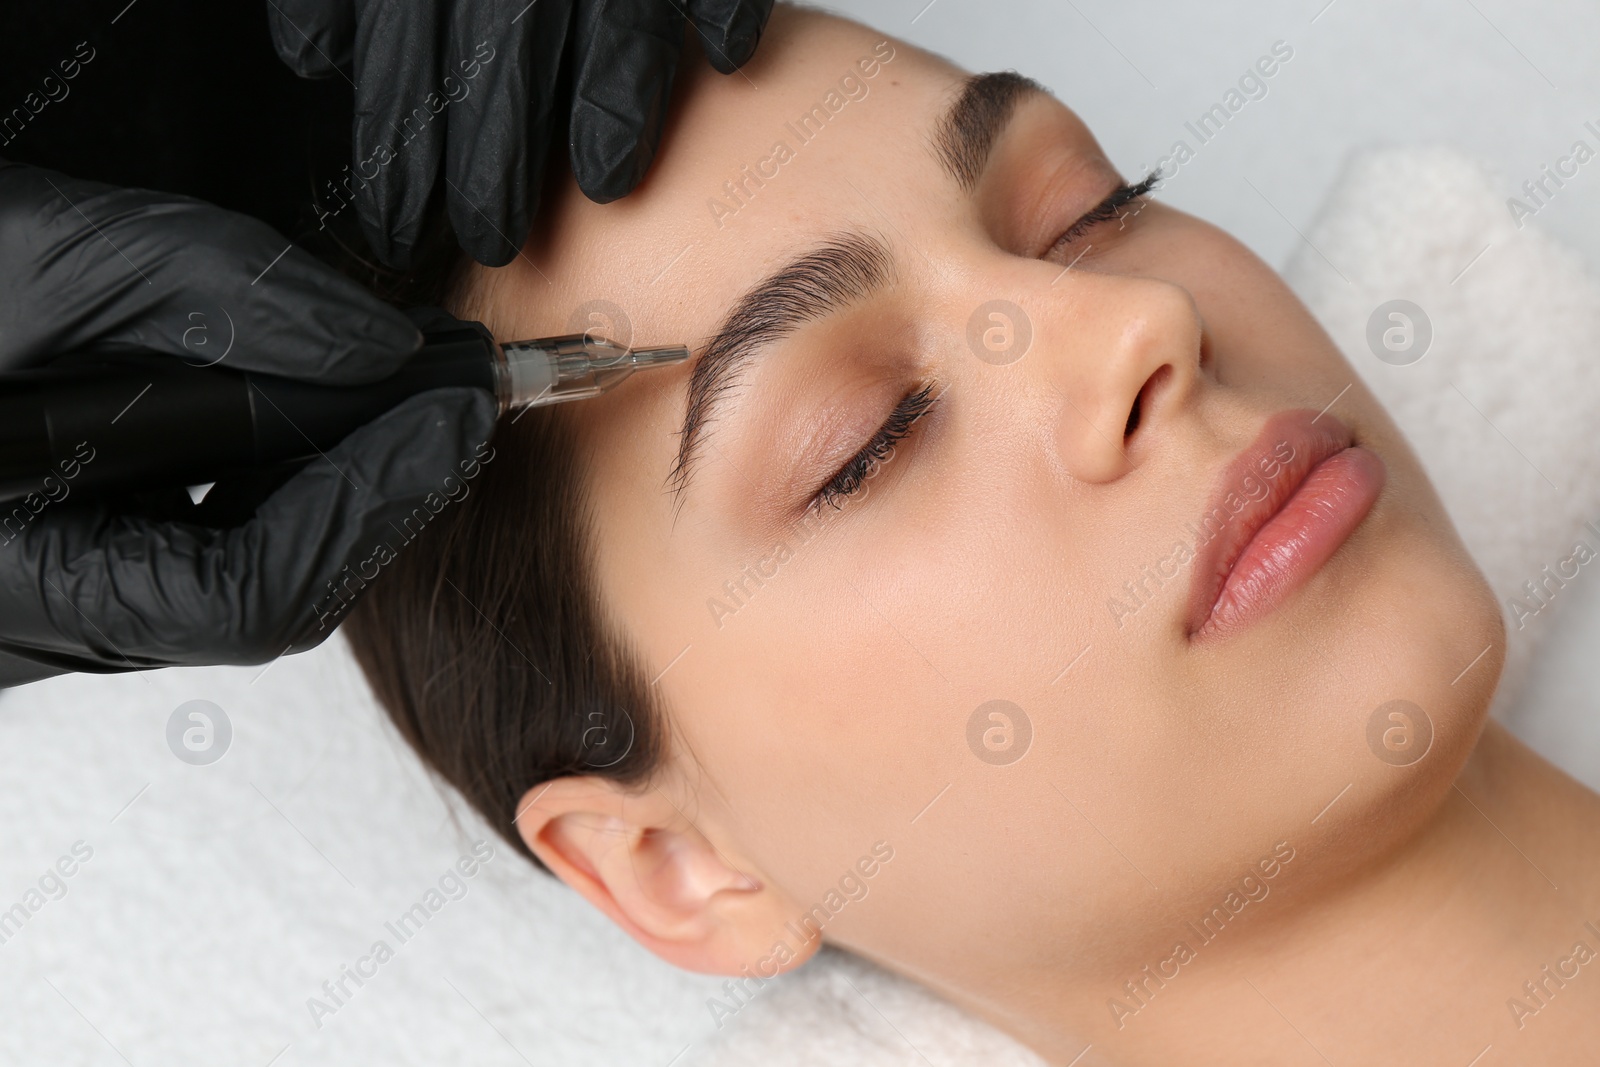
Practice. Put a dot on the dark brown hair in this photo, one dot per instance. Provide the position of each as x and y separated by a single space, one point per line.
485 637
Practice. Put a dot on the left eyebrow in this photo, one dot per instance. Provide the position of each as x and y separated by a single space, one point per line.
844 269
965 135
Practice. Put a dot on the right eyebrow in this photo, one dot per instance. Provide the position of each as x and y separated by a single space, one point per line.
843 269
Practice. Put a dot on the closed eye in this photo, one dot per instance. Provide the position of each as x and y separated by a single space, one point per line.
1114 208
864 464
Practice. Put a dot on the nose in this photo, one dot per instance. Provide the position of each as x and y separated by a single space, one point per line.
1124 355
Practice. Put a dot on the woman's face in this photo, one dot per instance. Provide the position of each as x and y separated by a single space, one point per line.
1073 403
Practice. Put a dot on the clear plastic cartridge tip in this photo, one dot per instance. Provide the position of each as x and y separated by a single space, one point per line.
551 370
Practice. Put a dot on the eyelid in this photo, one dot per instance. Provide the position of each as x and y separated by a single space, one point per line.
1108 208
864 463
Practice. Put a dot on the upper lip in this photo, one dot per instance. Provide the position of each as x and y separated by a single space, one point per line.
1313 436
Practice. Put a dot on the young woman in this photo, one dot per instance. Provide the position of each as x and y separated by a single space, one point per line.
1017 589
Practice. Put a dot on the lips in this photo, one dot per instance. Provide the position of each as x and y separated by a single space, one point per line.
1280 510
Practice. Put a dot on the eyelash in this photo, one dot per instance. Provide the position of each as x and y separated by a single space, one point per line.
864 463
1110 208
897 427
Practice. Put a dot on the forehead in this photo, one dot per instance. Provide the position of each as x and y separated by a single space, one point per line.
826 127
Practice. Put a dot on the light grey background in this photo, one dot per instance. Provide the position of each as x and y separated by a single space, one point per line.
1509 83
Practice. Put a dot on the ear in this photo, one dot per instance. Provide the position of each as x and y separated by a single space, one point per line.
641 861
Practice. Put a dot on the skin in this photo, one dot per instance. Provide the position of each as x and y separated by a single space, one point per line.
829 712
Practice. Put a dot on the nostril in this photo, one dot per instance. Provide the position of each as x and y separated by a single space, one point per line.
1142 399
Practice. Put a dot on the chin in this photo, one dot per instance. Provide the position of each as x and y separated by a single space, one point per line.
1420 650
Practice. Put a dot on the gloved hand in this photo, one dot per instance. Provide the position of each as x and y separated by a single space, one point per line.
472 84
85 587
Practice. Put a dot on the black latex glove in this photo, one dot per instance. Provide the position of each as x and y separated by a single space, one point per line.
472 83
86 587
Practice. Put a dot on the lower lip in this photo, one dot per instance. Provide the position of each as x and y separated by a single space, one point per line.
1294 544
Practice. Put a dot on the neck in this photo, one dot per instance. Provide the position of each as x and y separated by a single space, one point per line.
1481 932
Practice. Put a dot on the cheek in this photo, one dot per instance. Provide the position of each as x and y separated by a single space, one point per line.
920 644
1258 328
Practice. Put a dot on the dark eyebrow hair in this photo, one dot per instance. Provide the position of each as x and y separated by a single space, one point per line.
843 269
847 267
966 134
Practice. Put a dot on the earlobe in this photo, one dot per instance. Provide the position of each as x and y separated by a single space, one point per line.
633 855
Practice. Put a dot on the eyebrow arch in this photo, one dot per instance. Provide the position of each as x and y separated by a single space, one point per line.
845 268
966 134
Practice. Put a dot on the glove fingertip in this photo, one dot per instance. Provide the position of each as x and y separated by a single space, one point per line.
392 331
608 166
730 43
306 64
299 52
390 252
490 242
615 122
